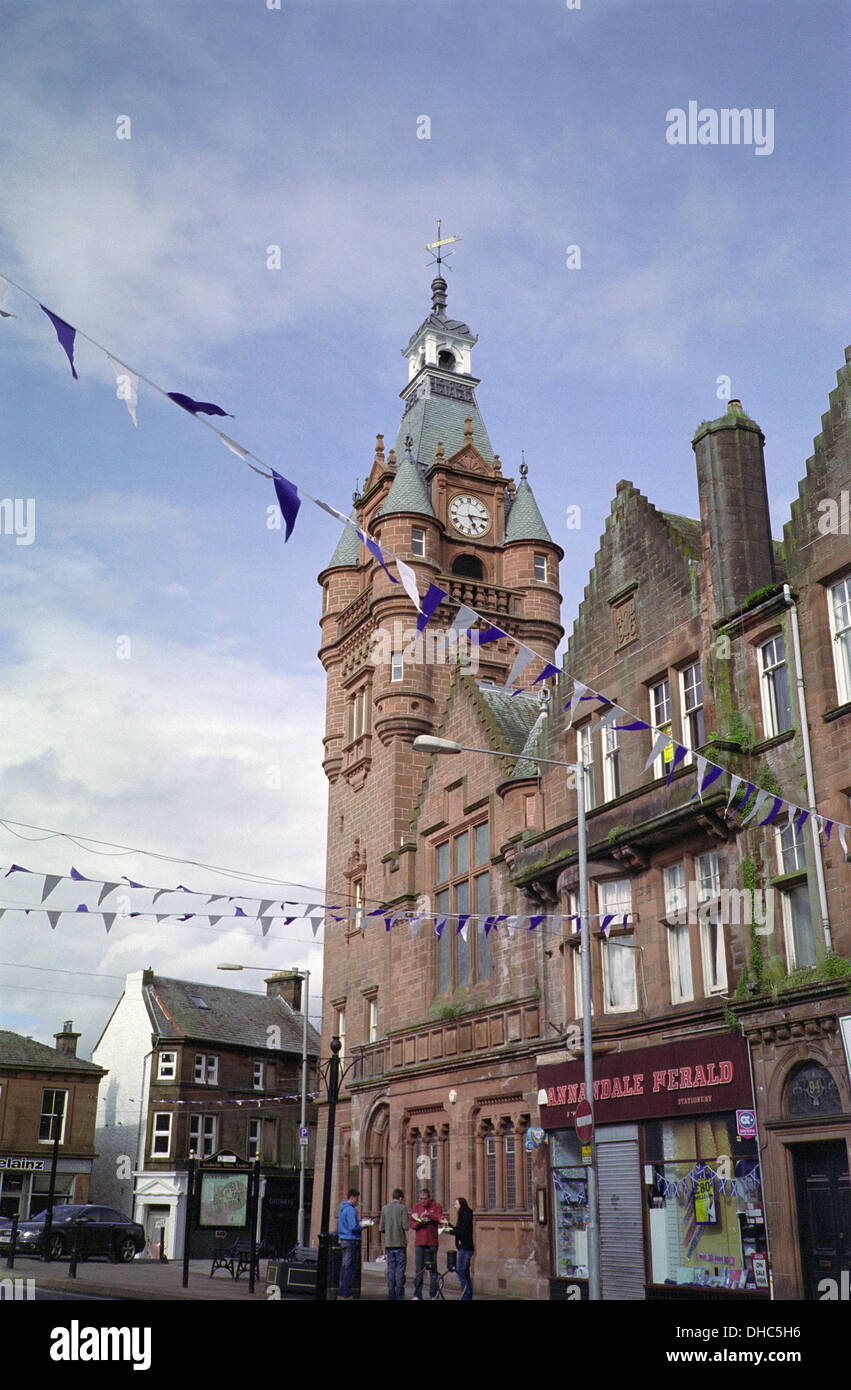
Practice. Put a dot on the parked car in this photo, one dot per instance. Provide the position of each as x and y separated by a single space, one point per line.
100 1231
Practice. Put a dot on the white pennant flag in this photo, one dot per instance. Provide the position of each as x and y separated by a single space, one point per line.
658 748
107 889
53 918
464 618
735 783
578 691
840 830
524 656
264 907
609 718
409 582
265 924
761 799
108 919
233 446
127 386
701 768
315 923
50 882
4 289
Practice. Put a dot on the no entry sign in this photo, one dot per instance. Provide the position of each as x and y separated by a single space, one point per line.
584 1122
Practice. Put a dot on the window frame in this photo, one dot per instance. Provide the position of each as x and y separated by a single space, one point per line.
258 1076
418 542
711 951
692 713
585 755
157 1133
544 564
623 940
678 930
460 889
612 780
209 1069
52 1114
255 1123
771 716
661 725
200 1122
841 670
161 1066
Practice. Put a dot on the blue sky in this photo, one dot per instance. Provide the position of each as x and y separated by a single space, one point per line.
253 127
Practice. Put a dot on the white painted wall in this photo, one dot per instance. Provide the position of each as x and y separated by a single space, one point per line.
122 1099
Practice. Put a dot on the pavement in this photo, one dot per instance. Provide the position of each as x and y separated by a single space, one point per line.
151 1281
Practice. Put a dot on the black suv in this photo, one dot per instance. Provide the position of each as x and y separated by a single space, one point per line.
100 1231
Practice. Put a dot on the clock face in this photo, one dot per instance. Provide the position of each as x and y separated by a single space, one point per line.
469 515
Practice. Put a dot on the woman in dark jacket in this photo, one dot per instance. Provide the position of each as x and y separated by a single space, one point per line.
463 1232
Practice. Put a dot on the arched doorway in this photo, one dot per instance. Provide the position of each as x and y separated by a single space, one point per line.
374 1162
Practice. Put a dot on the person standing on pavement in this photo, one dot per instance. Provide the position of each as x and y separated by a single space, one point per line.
463 1233
349 1234
426 1219
394 1225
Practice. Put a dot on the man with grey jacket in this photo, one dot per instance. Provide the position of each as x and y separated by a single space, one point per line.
394 1226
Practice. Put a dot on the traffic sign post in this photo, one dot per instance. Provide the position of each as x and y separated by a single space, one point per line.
584 1121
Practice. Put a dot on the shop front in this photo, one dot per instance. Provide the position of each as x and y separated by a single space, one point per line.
25 1183
679 1181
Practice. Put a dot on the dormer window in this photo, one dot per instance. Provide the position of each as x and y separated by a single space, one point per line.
446 360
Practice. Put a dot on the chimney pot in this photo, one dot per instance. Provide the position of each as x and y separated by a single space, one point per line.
286 985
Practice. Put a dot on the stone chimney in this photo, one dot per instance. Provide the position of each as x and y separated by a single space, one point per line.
66 1041
735 520
286 985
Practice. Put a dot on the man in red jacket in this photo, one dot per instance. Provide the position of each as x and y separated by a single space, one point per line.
426 1217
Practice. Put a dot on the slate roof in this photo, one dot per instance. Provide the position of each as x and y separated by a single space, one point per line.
514 716
525 522
348 549
232 1016
524 766
408 492
443 325
440 419
27 1055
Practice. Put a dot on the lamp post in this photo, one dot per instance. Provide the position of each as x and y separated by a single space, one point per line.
302 1129
428 744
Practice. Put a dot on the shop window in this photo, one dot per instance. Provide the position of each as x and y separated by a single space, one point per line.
839 608
705 1209
811 1090
774 687
569 1206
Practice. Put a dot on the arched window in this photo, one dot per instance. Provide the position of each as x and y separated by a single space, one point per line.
811 1090
468 566
446 360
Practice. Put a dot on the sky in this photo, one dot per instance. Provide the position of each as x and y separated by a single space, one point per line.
159 684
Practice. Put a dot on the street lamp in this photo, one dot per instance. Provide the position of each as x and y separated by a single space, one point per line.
426 743
302 1131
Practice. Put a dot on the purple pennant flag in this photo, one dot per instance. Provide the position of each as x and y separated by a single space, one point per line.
287 921
438 928
132 884
750 790
375 549
606 923
465 917
634 726
80 878
238 912
194 407
492 634
82 908
536 921
434 597
800 820
679 754
778 802
288 501
17 869
489 922
826 828
712 776
549 670
66 335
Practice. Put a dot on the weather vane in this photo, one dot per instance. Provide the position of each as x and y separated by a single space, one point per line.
436 246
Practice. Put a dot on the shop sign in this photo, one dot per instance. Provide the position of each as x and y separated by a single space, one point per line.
746 1124
10 1163
689 1076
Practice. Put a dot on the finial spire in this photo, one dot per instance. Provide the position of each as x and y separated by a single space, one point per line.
524 467
438 284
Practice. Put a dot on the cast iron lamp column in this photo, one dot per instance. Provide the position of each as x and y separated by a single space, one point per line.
428 744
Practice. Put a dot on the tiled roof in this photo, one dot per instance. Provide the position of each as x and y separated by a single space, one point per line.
408 492
525 522
440 419
25 1053
348 549
525 767
230 1016
513 715
442 324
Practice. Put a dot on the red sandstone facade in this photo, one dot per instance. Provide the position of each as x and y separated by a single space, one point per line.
687 624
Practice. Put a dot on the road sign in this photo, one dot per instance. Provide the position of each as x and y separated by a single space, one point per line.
584 1122
302 1131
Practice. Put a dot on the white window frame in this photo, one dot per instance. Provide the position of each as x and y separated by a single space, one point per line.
540 562
167 1066
397 667
713 947
257 1077
839 597
418 541
203 1143
341 1032
679 940
357 920
797 848
692 713
43 1114
160 1130
789 924
576 957
206 1070
767 688
612 781
585 754
660 719
612 898
255 1139
372 1020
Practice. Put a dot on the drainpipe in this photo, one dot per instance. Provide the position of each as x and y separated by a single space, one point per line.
808 764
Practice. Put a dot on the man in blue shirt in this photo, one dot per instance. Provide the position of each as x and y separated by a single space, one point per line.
349 1234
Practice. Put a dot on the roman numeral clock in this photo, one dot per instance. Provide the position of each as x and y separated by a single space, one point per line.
469 515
